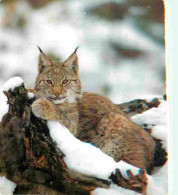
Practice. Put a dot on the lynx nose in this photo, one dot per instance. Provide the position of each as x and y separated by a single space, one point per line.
56 91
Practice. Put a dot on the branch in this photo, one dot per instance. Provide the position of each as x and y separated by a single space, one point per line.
138 106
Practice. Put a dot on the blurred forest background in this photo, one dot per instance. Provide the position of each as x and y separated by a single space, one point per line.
121 52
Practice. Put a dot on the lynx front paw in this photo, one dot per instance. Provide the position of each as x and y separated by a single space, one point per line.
44 109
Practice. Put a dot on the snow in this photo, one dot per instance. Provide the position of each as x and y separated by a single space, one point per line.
7 187
3 104
161 132
158 182
156 117
12 83
113 190
31 95
85 158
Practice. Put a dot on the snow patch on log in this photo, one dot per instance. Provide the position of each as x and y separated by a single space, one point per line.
85 158
31 95
6 186
156 117
12 83
160 132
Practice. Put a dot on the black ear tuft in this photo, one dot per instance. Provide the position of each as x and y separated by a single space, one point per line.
76 49
72 62
43 61
40 49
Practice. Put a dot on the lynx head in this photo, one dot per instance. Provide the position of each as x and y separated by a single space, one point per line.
58 81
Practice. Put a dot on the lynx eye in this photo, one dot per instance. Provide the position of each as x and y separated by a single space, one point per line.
49 82
65 81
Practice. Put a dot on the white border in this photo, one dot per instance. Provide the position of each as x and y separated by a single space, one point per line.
171 13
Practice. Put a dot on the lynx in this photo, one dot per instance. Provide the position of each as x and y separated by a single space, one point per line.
58 90
88 116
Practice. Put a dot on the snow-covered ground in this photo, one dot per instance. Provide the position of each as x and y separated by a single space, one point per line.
7 187
85 158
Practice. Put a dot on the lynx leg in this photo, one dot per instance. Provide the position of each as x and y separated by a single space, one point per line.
44 109
119 138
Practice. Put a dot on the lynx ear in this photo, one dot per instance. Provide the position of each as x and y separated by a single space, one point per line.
72 62
43 61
